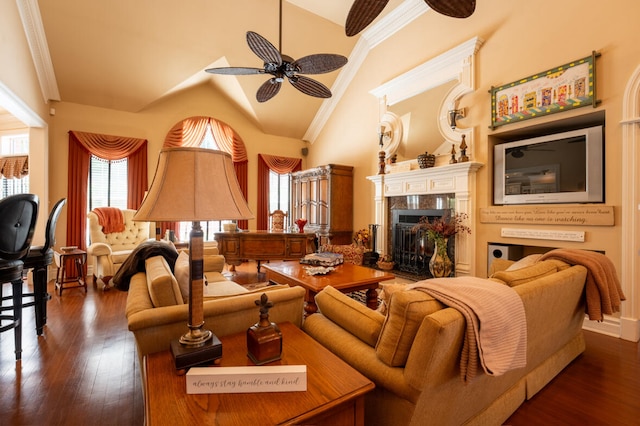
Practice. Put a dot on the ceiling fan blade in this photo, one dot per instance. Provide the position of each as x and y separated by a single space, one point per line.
453 8
235 70
319 63
361 14
310 87
263 48
268 90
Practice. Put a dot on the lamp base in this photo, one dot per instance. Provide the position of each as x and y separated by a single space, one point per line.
185 356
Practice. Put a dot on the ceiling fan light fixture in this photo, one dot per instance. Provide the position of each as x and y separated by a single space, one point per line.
281 66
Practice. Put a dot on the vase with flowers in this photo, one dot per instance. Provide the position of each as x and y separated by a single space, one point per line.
439 231
361 238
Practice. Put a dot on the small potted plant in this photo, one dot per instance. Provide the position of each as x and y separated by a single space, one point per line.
386 262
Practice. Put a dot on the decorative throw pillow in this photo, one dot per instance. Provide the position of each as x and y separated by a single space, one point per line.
524 262
385 295
407 309
162 285
181 271
526 274
353 316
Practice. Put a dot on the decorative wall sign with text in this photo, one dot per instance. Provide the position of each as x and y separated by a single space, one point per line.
566 87
592 215
247 379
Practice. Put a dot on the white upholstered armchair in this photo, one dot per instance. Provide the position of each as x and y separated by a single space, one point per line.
108 251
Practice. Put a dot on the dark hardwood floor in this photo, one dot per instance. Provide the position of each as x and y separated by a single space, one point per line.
84 371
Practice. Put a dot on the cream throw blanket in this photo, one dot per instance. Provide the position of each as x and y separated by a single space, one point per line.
496 323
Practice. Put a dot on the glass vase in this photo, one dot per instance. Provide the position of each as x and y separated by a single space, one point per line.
440 265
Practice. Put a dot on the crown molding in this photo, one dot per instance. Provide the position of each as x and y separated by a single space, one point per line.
37 40
446 67
19 109
370 38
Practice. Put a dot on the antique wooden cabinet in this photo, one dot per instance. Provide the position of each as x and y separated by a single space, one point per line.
324 197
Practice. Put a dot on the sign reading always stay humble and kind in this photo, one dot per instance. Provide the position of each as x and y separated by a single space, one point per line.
247 379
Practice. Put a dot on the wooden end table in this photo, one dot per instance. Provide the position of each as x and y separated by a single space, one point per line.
66 279
345 278
334 396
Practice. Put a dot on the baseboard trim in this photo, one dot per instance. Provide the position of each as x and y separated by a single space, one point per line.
623 328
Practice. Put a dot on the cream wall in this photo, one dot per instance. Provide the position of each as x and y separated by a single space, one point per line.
520 39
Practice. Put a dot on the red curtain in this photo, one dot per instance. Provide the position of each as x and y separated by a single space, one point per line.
81 146
279 165
191 131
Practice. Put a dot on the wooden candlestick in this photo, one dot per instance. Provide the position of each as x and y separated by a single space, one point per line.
381 163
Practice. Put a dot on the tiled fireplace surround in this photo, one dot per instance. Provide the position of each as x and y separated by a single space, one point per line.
444 187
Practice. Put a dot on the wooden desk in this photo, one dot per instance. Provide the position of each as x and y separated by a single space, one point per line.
346 278
237 247
334 396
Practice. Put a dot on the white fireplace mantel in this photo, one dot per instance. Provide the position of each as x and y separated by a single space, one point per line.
458 179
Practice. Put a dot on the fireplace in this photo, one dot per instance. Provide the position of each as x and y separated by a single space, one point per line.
453 184
412 250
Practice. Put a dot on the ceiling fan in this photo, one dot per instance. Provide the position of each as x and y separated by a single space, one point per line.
281 66
363 12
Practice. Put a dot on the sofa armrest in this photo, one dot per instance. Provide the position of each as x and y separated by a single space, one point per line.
99 249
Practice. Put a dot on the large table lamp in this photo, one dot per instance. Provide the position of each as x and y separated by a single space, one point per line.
194 184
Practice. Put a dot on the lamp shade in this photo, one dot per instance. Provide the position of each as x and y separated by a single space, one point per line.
194 184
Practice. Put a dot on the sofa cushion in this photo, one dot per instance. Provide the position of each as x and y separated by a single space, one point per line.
526 274
181 272
163 286
350 314
406 311
524 262
213 264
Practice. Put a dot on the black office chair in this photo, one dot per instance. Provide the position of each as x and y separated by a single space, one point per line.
18 217
39 259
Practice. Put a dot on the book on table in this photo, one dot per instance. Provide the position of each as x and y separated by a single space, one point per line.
323 259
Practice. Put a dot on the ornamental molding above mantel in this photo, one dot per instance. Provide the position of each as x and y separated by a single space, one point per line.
451 178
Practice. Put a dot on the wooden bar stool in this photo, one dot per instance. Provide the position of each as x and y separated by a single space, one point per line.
69 258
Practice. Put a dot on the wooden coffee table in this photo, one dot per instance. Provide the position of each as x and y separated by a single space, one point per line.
334 396
346 278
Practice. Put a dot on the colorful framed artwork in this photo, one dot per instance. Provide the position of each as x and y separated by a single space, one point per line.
566 87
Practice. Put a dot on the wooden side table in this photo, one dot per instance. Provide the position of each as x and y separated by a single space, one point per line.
65 279
334 396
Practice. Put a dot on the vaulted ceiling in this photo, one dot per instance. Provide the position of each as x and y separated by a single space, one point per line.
128 55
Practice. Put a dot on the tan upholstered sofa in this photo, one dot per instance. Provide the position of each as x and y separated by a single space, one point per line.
109 251
156 312
413 354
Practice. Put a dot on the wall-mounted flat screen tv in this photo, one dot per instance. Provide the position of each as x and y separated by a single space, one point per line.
566 167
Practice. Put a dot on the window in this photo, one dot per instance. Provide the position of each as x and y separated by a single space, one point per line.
16 144
107 183
278 192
